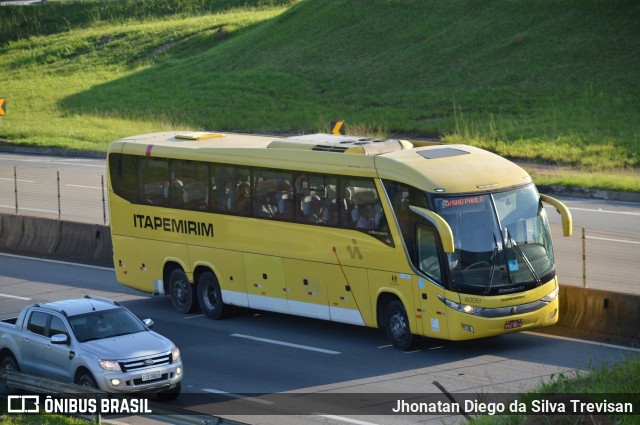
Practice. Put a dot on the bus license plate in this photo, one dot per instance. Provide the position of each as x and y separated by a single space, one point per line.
513 324
151 376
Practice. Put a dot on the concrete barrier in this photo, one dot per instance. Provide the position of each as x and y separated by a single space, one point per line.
592 310
64 240
601 312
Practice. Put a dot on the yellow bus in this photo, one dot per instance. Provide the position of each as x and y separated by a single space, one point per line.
443 241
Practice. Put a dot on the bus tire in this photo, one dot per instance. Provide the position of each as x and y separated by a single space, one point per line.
210 296
396 325
181 292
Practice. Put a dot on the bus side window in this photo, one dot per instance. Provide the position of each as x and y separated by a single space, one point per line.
315 196
154 181
195 195
427 247
123 172
239 199
220 188
271 189
366 209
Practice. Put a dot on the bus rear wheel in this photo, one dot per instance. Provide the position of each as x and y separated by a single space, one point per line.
181 292
396 325
210 296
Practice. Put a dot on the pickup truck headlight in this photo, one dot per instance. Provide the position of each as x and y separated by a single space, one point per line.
175 353
110 365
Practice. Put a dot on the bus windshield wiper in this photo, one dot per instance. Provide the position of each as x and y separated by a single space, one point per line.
492 269
517 249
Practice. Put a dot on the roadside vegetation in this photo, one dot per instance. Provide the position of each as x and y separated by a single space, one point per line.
10 419
620 378
553 83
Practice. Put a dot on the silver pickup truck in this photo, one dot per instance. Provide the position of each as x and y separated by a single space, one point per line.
91 341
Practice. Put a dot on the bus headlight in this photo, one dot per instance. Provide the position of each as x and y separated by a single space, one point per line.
551 296
465 308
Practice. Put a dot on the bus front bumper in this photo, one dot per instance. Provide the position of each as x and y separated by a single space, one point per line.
464 326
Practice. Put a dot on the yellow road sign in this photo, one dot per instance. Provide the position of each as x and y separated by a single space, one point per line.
3 106
337 127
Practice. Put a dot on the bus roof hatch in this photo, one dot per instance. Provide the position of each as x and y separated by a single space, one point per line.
198 135
341 144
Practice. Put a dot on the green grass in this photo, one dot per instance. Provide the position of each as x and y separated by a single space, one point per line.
553 82
10 419
619 378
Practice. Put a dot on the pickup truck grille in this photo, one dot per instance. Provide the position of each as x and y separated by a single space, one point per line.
145 362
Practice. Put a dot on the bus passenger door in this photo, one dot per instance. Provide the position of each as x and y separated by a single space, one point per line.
349 300
265 282
429 311
306 288
429 308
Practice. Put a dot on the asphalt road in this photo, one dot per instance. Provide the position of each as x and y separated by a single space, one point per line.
255 353
611 229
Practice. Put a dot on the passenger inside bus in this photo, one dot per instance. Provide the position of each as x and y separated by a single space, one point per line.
242 204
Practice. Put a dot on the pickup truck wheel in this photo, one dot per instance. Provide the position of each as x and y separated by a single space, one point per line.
210 296
171 394
181 291
9 363
86 380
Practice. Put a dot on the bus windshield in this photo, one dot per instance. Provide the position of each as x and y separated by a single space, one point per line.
502 241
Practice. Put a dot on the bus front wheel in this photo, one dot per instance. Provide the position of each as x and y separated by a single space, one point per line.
396 325
181 292
210 296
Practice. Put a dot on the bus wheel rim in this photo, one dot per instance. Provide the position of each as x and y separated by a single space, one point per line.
180 291
398 326
210 298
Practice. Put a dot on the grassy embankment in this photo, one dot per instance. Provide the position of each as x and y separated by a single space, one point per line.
623 377
535 81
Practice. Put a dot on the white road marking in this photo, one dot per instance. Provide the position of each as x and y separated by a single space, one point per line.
349 420
192 316
612 240
19 180
81 186
15 297
30 209
287 344
604 211
238 396
65 162
584 341
57 262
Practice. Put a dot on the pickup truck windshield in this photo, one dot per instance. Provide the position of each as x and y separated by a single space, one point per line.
105 324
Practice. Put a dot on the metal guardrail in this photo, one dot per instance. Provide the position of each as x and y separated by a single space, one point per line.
48 388
51 193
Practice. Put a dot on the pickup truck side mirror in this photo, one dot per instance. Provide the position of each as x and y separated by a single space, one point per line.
148 323
60 339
